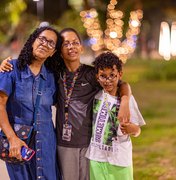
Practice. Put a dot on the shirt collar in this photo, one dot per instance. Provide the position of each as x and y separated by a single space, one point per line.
27 72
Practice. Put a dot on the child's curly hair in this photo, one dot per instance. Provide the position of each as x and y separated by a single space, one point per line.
107 60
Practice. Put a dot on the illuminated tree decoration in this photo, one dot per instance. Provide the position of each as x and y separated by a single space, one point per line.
110 39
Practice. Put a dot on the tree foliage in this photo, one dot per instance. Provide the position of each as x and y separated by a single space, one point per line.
10 14
23 14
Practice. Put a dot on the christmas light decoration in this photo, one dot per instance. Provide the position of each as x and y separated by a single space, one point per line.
111 38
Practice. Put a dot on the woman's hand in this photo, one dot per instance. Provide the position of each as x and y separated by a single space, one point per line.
5 65
15 145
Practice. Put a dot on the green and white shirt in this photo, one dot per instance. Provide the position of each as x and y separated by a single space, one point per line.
108 144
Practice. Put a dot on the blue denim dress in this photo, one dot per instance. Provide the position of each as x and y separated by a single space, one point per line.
21 88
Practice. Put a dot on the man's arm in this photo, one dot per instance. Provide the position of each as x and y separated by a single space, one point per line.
125 93
5 65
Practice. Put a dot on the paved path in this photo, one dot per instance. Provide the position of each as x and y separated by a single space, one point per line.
3 171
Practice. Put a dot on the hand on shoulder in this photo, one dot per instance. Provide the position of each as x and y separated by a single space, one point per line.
5 66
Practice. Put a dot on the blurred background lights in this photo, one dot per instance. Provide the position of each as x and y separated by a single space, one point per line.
173 39
135 23
113 34
93 40
111 37
167 42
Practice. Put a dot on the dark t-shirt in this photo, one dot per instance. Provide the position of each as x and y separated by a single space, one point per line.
80 107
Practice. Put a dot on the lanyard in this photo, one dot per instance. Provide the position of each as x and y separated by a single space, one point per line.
68 92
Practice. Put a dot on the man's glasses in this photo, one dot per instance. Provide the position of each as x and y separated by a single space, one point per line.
104 78
69 44
50 44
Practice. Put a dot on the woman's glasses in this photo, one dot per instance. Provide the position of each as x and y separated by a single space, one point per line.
50 43
69 44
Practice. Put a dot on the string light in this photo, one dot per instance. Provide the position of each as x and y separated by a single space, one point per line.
111 38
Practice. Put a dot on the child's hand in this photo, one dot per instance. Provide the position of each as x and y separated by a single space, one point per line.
129 128
124 127
5 65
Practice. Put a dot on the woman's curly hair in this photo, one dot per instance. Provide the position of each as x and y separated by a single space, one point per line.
26 55
107 60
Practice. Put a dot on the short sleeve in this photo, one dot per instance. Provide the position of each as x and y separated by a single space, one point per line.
135 114
6 82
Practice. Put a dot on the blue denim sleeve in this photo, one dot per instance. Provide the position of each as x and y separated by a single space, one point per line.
6 81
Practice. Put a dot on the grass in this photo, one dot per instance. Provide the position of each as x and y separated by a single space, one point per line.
154 150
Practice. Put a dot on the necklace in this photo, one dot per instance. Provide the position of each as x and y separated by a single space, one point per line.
68 91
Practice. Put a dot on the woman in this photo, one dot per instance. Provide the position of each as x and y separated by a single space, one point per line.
18 91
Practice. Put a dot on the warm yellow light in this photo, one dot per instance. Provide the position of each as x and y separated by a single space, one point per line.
114 2
173 39
111 38
93 13
135 23
110 6
164 42
83 13
113 34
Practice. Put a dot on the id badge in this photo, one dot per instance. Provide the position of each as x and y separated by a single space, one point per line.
66 132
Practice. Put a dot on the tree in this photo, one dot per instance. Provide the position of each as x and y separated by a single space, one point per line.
10 13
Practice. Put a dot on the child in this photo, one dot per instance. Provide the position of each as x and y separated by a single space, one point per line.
110 150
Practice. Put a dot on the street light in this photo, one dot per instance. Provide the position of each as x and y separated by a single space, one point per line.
40 8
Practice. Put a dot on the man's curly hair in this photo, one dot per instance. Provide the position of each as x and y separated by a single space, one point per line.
107 60
26 55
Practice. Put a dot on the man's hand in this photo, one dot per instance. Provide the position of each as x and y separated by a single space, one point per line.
5 65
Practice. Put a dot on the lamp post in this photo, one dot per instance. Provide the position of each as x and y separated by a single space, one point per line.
40 8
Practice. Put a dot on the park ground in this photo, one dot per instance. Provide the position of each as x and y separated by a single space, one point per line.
153 84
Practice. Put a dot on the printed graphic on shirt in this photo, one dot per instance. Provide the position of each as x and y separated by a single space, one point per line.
105 123
108 144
